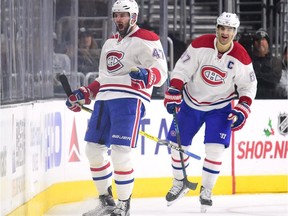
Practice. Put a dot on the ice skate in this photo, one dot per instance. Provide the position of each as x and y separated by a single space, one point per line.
105 207
205 199
177 191
122 208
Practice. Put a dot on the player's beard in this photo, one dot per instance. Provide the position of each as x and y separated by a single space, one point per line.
122 29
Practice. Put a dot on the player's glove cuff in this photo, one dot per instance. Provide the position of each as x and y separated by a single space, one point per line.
93 89
173 100
239 115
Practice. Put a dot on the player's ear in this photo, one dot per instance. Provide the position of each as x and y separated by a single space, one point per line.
133 19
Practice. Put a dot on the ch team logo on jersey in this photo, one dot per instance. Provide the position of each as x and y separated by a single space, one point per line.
113 59
212 75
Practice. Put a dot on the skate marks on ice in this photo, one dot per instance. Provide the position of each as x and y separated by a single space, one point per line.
234 205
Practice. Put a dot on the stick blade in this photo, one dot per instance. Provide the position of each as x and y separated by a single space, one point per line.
190 185
197 157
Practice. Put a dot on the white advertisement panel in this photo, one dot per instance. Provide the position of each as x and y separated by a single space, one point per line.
43 143
261 148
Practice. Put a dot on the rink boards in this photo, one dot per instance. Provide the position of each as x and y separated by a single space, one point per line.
43 162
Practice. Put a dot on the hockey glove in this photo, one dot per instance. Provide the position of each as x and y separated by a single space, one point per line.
239 115
172 100
143 78
82 96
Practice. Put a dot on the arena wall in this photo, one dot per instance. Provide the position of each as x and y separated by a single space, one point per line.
43 162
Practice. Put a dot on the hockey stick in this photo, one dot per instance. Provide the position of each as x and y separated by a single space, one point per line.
67 88
190 185
169 144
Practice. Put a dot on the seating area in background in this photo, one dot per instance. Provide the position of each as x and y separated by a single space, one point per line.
27 50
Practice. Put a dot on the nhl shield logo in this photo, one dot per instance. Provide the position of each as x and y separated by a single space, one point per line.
283 123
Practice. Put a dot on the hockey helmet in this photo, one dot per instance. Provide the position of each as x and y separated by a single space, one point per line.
228 19
129 6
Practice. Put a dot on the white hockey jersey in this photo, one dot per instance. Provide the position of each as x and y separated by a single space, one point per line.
140 48
211 79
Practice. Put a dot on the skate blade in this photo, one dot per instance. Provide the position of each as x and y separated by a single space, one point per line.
106 211
204 208
169 203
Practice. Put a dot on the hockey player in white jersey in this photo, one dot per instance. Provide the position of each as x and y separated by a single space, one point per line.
213 71
131 63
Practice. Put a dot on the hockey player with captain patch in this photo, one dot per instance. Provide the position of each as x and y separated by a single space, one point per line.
212 72
131 63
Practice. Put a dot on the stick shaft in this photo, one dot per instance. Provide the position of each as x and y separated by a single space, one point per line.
190 185
169 144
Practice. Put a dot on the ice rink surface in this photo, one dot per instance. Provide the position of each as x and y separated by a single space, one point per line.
245 205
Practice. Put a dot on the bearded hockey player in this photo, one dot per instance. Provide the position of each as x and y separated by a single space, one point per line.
131 63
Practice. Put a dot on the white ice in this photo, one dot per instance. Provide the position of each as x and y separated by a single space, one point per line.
275 204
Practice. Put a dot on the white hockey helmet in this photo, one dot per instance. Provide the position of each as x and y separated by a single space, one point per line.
228 19
129 6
